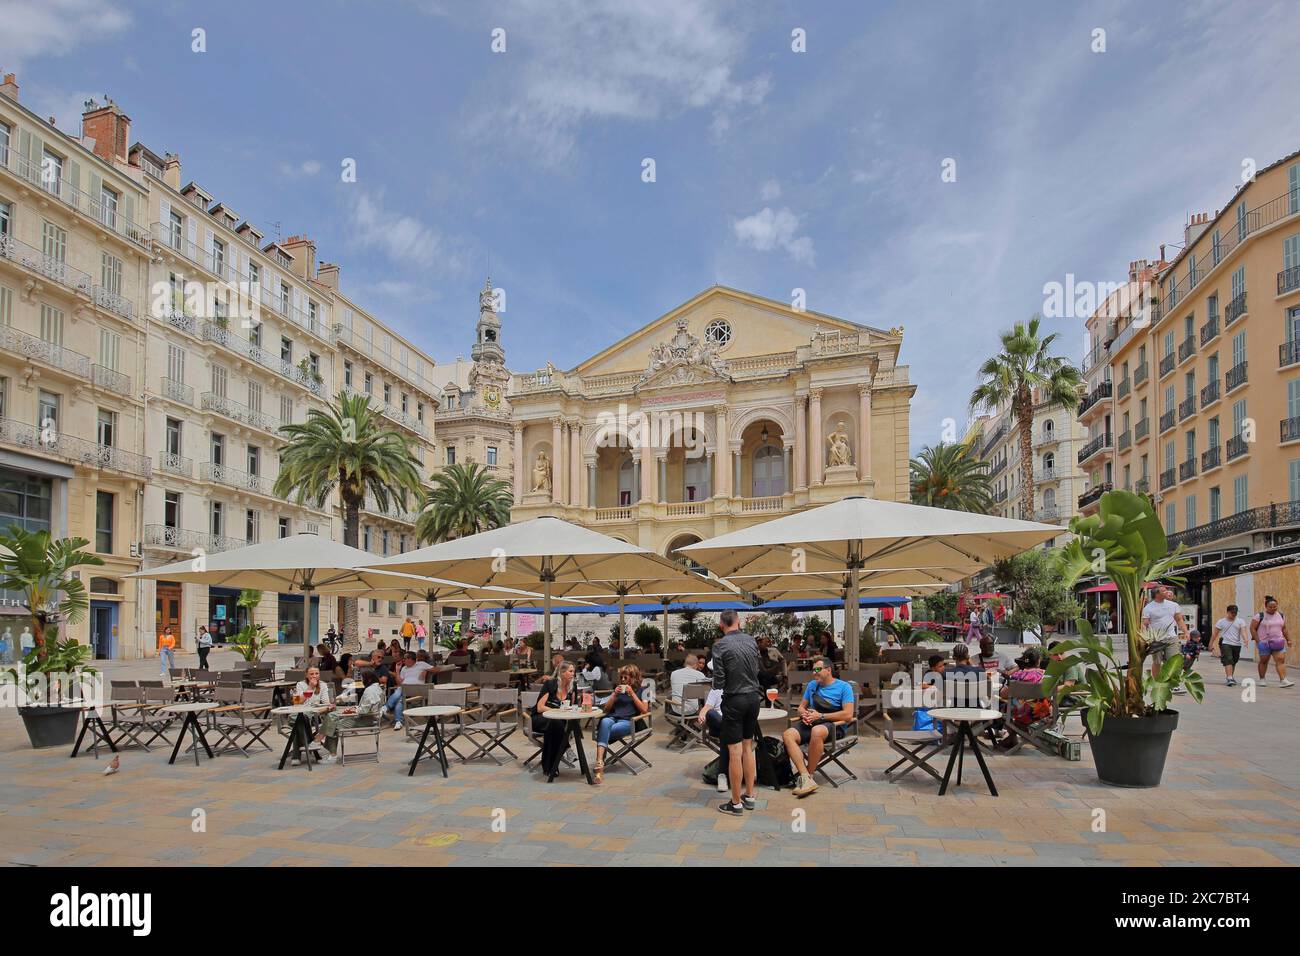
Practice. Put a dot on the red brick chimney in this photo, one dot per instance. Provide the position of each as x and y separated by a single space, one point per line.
109 127
9 87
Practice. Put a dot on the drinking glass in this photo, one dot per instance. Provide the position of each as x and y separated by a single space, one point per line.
772 693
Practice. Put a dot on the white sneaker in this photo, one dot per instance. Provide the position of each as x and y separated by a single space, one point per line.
1287 683
1261 682
397 726
723 786
316 746
329 758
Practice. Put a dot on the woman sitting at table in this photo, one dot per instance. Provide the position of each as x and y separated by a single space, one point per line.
593 675
558 689
366 711
312 689
343 667
621 710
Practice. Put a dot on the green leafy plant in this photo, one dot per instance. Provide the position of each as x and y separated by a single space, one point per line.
1124 542
951 476
903 630
252 639
647 635
1040 597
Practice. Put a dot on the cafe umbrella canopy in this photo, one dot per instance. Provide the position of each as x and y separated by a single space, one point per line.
864 537
556 557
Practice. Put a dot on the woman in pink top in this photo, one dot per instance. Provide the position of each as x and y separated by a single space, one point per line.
1271 640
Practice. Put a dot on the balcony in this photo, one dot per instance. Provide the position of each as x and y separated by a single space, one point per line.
1186 408
1237 446
1123 388
1140 374
78 451
394 511
176 391
1187 469
407 373
1167 421
1210 330
1288 280
1167 479
1124 441
1243 522
1290 429
1050 474
1167 364
205 260
1210 394
1142 486
392 412
1235 377
1235 310
233 478
999 496
1093 494
765 504
39 350
178 539
1045 438
110 379
1186 349
174 463
211 402
107 217
993 439
1048 513
1211 458
607 515
215 332
1095 445
995 468
1142 429
1288 353
58 271
1096 395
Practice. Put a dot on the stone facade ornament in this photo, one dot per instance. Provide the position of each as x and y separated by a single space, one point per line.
684 360
542 473
838 444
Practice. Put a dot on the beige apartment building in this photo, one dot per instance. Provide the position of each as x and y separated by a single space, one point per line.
1206 402
729 410
154 344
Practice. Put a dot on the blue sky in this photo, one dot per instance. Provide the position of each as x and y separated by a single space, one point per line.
774 169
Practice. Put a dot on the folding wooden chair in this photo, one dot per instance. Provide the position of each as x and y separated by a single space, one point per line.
835 750
497 722
622 748
924 746
151 716
368 729
681 716
796 680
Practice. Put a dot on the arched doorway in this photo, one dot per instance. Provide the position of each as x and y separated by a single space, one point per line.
679 542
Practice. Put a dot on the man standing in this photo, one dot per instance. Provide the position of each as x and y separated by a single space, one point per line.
735 672
1164 619
1227 639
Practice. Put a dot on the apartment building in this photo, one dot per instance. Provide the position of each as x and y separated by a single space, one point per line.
1207 394
154 343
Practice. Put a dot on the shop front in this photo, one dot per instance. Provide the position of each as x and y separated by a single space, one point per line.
225 616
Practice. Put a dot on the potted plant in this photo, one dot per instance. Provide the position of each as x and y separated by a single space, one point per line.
1125 708
40 568
252 639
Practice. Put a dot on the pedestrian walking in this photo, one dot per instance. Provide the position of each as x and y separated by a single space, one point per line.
1228 638
1271 640
204 644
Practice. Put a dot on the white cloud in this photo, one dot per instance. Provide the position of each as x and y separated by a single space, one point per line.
770 190
55 27
770 229
402 238
309 167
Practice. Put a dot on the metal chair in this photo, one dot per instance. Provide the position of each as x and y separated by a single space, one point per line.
916 747
497 722
621 749
680 715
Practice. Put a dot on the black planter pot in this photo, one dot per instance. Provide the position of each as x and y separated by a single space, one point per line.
50 726
1131 751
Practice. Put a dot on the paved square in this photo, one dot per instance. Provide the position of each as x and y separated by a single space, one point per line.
1231 796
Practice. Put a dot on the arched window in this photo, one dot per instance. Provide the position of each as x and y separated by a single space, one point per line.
695 477
103 586
769 471
626 482
1049 498
1049 461
1048 428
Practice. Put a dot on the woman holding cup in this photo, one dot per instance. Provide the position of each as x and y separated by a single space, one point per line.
622 708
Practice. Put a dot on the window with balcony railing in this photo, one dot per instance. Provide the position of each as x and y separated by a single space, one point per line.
1288 353
1237 446
1186 407
1210 329
1290 429
1210 393
1140 374
1141 429
1211 458
1166 479
1187 469
1288 280
1186 349
1235 309
1167 421
1122 389
1167 364
1235 377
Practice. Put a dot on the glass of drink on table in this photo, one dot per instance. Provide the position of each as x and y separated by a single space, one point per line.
772 693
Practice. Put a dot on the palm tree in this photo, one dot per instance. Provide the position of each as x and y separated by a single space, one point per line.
1011 377
948 475
347 447
464 500
40 568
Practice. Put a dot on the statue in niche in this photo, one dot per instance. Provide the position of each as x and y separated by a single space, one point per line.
542 473
838 442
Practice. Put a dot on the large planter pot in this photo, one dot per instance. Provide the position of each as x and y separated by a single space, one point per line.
50 726
1131 751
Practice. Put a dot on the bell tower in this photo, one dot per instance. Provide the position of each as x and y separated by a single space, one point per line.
487 340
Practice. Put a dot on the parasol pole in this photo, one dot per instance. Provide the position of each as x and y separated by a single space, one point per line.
548 576
851 609
622 619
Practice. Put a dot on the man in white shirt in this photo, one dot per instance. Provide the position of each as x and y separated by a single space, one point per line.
1164 619
1228 638
691 673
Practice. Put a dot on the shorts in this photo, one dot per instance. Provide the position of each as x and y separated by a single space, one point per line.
805 730
739 718
1229 654
1276 645
1165 650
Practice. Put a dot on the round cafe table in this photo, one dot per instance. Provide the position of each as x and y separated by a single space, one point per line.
453 686
572 716
964 717
439 752
191 710
300 733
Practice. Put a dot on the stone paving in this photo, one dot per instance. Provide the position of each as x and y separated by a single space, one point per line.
1231 796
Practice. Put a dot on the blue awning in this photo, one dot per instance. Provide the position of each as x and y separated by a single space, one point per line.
796 604
828 604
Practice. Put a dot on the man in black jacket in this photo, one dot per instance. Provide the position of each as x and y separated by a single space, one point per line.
736 665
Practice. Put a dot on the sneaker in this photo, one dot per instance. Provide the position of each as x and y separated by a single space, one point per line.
1261 682
749 803
1227 682
723 786
805 786
329 758
735 809
316 746
1287 683
397 726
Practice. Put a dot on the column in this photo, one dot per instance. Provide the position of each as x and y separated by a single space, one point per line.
713 481
575 462
591 482
557 462
520 465
642 479
800 442
815 435
722 479
789 463
661 481
864 432
736 490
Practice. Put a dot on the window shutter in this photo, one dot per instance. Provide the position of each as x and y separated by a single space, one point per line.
96 188
72 175
192 229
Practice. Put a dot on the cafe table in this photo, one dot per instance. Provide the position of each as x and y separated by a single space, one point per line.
523 674
432 712
964 717
278 687
191 710
300 733
573 716
452 687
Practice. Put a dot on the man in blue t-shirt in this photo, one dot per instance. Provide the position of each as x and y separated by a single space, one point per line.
827 704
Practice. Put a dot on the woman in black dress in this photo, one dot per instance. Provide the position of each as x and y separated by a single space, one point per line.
561 687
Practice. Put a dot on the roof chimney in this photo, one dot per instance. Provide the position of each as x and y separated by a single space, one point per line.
172 171
1199 222
109 127
327 274
10 86
304 255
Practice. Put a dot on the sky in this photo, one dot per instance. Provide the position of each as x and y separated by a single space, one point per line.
924 164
